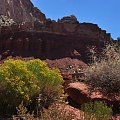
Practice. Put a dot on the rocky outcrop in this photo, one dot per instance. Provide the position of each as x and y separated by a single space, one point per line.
70 24
47 45
32 18
21 11
81 93
67 65
45 38
69 19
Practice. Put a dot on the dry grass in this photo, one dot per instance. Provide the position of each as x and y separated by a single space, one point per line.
54 112
104 74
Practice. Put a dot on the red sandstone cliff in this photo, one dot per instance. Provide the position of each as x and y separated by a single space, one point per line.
44 38
48 45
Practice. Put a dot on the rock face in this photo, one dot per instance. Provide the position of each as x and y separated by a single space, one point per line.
20 10
44 38
81 93
46 45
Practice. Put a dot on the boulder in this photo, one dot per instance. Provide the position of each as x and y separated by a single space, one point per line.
69 19
81 93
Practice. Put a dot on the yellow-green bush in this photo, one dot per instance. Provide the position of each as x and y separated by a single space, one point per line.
44 74
23 81
50 81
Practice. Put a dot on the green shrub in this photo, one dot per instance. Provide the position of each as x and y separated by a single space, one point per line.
104 74
50 81
23 81
96 111
45 75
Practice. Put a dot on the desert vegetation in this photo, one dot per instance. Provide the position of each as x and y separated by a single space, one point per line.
104 72
24 82
96 111
72 83
30 90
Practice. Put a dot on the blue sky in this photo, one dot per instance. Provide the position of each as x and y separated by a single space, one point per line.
105 13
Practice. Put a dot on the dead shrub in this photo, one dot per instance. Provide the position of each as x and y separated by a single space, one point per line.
104 73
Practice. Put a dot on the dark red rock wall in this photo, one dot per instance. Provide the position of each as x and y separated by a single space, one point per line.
44 38
46 45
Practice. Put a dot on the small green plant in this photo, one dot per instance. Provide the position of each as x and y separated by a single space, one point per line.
96 111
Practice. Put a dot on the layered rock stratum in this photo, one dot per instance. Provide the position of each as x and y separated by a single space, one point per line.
35 35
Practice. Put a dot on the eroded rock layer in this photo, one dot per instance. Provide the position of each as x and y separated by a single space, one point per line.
34 35
47 45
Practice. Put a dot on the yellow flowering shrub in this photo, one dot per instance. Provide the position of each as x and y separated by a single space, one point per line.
44 74
50 81
22 81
